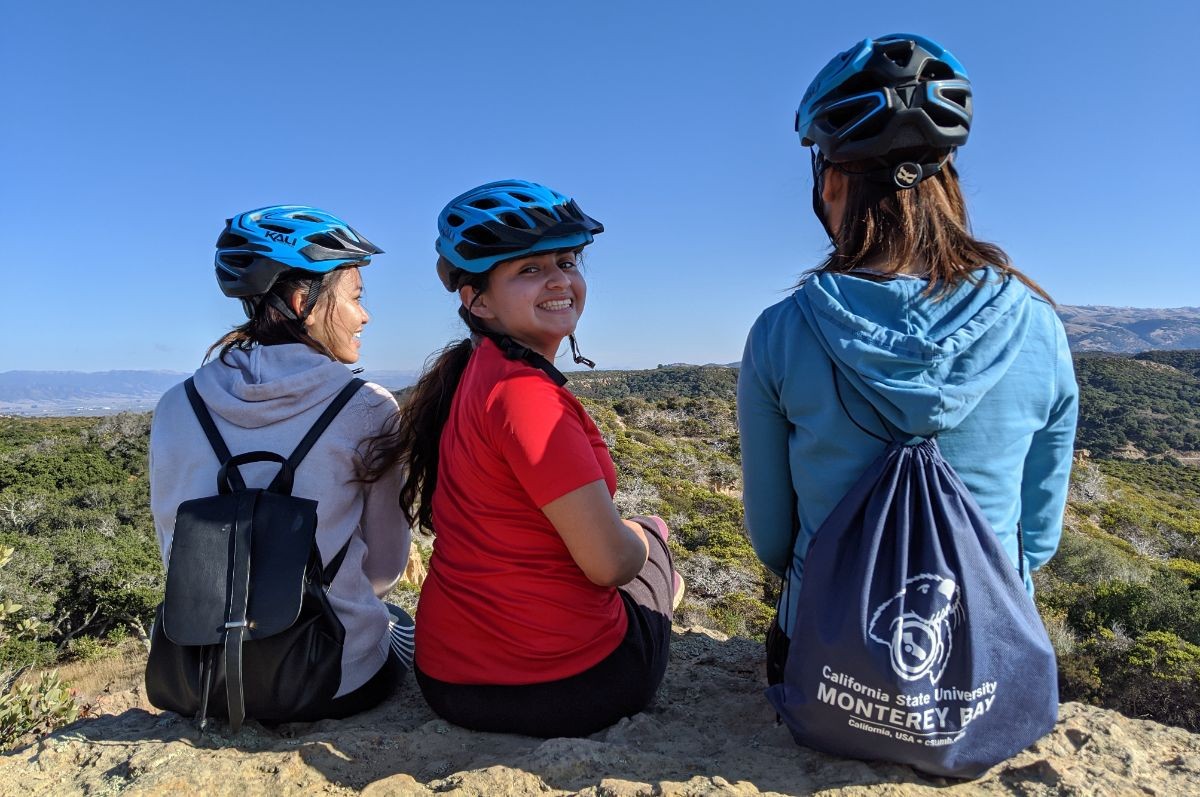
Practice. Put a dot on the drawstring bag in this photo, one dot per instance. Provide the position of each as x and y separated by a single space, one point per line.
915 640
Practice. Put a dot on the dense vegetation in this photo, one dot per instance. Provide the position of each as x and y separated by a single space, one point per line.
1121 599
1149 403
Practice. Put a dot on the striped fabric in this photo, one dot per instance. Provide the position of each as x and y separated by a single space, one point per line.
401 640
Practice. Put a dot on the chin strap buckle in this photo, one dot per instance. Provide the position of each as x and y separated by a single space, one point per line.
579 358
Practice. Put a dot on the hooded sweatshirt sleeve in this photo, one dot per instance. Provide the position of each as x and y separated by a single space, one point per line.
1048 465
766 475
384 529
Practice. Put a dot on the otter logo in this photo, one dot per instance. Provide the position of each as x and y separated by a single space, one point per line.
906 174
917 625
278 236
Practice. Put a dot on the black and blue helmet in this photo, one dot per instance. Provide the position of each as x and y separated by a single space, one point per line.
258 246
507 219
898 98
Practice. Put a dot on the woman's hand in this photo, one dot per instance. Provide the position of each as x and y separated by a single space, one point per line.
610 551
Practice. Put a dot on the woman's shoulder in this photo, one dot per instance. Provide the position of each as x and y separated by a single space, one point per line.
172 401
780 318
376 406
374 395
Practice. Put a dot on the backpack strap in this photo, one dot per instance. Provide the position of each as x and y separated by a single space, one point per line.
329 572
239 600
318 428
210 431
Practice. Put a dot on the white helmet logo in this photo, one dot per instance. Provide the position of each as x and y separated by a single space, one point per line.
906 174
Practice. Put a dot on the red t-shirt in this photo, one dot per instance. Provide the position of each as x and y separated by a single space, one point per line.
504 602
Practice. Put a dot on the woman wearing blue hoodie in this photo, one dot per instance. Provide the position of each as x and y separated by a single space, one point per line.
929 330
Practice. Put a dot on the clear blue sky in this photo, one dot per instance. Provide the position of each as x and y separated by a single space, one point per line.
131 130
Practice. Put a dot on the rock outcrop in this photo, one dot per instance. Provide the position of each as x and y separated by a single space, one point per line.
710 733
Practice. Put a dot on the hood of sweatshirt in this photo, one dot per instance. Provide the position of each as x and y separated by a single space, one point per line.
923 364
269 384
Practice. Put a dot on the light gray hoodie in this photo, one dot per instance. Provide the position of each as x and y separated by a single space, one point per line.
267 399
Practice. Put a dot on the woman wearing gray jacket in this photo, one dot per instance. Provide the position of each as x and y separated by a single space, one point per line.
296 271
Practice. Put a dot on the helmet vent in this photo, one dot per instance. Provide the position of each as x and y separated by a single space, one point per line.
325 240
302 217
936 70
514 220
486 203
277 228
237 259
454 220
541 215
899 53
230 240
481 235
522 198
956 96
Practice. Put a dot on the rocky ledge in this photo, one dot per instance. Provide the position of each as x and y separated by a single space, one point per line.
710 733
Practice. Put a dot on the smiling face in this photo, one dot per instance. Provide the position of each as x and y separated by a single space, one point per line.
339 316
535 300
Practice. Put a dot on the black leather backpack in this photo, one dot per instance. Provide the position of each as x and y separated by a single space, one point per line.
245 613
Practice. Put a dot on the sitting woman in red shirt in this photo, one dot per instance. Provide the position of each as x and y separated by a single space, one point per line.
544 613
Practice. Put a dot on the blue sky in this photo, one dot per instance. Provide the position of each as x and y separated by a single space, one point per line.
131 130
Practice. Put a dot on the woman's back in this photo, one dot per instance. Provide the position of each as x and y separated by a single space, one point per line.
266 399
986 369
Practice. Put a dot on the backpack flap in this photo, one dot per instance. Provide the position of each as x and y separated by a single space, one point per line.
197 591
285 529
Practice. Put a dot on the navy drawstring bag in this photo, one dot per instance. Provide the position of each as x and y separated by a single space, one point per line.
915 640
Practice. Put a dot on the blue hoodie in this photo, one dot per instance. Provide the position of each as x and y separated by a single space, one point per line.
986 369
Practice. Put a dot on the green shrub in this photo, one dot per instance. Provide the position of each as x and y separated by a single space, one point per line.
86 648
35 708
1160 678
737 614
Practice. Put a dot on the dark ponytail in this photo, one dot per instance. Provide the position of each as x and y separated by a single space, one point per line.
414 435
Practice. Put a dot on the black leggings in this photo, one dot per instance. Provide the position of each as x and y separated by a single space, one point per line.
621 685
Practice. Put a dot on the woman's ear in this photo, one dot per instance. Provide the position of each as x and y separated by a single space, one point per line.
834 190
833 185
296 300
473 300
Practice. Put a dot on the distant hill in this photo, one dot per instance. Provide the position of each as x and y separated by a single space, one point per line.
1114 330
82 393
1127 330
664 382
63 393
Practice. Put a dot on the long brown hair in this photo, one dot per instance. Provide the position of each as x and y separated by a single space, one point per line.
927 225
269 326
413 436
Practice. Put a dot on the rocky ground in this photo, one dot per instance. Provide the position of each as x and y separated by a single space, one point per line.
710 733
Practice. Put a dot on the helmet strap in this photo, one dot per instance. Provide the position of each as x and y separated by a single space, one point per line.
510 348
906 174
579 358
279 304
310 300
516 351
819 165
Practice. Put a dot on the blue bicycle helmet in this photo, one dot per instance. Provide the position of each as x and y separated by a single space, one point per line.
258 246
507 219
901 100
